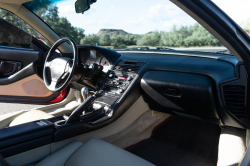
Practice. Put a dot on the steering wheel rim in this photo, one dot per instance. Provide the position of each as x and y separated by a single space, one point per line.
60 68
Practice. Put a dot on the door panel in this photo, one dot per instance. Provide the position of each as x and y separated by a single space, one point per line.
24 85
22 73
25 56
32 86
21 66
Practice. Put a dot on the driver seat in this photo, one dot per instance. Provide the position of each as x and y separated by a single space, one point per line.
21 117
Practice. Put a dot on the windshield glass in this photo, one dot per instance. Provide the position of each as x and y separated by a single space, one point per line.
118 25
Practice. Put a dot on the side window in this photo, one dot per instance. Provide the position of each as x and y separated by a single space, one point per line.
14 32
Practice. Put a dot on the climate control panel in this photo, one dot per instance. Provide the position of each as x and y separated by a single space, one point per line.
117 82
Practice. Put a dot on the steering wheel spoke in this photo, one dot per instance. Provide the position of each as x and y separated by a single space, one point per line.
68 68
53 85
65 75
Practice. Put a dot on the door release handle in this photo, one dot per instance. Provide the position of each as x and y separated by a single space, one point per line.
1 65
16 67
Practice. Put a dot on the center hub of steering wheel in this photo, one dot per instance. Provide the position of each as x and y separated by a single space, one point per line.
60 67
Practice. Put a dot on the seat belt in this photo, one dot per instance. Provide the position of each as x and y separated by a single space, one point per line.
3 162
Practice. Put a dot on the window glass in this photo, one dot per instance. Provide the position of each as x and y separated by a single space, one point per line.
118 24
14 32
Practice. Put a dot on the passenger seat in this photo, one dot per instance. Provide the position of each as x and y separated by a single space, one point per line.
93 153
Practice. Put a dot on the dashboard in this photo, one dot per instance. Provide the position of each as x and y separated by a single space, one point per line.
206 86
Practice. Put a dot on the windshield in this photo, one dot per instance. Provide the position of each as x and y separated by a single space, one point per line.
116 24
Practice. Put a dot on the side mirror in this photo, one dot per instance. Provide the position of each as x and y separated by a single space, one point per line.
82 5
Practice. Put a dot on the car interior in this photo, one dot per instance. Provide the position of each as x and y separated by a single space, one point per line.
126 107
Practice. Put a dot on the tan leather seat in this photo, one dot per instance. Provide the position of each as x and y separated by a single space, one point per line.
21 117
93 153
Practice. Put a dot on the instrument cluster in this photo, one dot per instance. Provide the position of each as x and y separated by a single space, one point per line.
90 57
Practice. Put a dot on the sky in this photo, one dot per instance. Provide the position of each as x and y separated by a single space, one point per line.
141 16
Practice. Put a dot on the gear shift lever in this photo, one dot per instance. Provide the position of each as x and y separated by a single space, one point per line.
76 114
85 93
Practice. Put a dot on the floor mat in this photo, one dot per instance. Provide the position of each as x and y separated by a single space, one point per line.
139 130
181 141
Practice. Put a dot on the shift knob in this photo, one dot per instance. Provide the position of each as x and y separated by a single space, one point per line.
85 93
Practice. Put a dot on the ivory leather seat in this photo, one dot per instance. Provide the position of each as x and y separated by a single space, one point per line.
93 153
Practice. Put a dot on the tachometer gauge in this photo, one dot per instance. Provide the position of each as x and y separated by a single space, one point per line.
105 63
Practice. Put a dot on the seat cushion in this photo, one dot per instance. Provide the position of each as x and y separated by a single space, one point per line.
93 153
29 117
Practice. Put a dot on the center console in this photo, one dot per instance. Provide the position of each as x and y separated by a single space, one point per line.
112 89
114 86
99 108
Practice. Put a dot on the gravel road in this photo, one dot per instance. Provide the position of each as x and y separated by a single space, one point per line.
10 107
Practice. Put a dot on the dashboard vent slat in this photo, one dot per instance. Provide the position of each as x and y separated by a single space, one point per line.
234 96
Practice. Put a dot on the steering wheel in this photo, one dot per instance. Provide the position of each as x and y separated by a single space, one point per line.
58 72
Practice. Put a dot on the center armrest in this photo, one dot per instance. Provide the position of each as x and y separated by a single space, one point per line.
25 136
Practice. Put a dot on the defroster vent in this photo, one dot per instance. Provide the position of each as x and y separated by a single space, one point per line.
234 96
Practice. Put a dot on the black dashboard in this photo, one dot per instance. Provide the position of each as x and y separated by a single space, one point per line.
205 86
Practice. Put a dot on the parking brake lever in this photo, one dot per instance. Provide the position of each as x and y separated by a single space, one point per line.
76 114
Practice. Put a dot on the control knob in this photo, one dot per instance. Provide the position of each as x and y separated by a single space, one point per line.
111 75
120 90
107 109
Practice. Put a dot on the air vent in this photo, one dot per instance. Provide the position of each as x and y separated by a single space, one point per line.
235 100
128 66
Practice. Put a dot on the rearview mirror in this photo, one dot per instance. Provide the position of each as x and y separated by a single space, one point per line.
82 6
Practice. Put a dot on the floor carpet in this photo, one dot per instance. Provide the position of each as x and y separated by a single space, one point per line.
180 141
